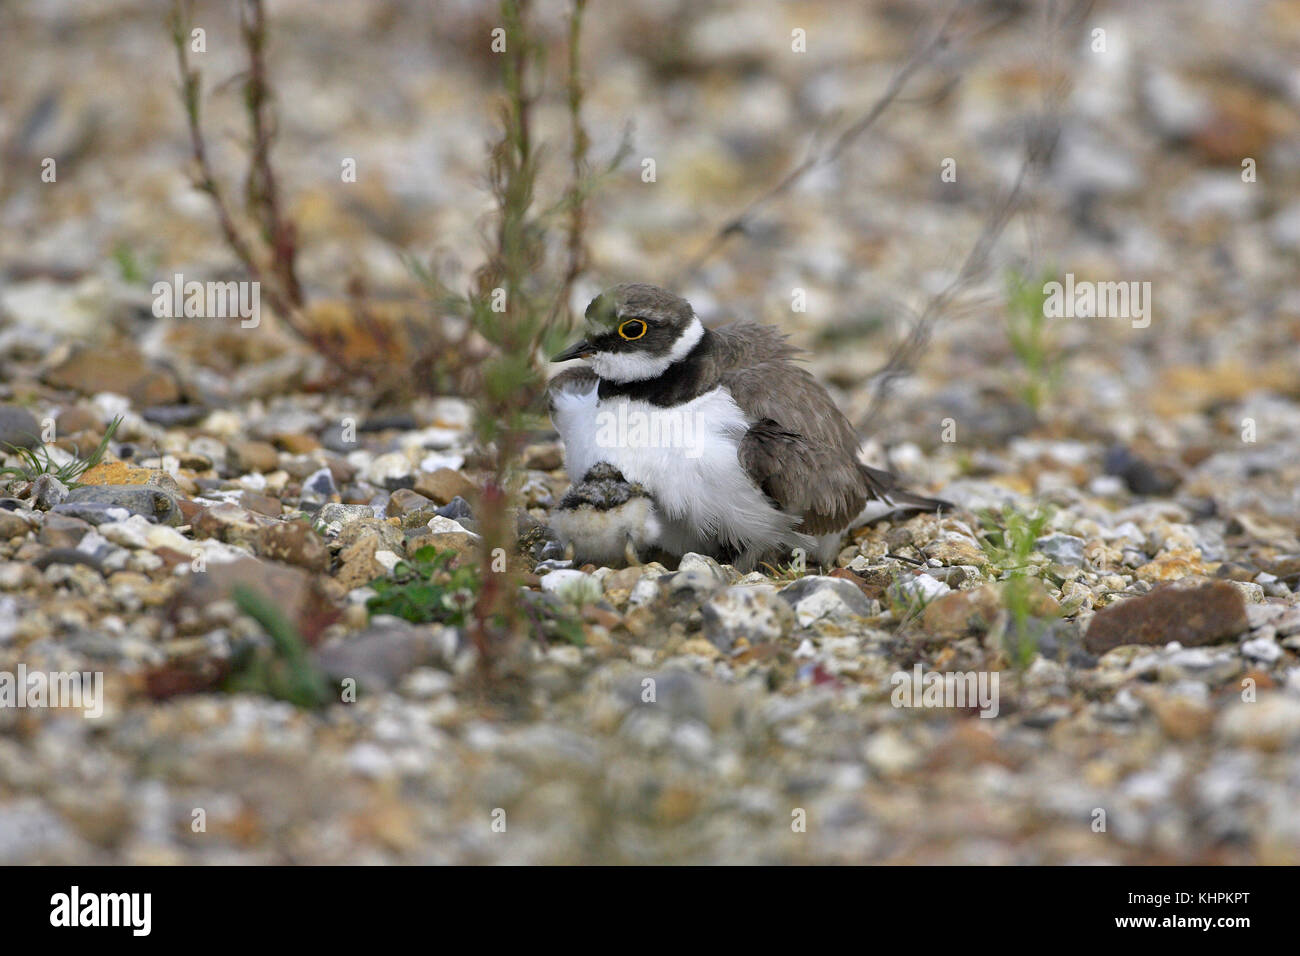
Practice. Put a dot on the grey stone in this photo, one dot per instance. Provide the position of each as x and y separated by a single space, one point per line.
390 471
48 491
346 514
380 656
573 587
702 562
917 587
1251 593
1270 723
1257 615
18 427
1263 649
456 509
1062 548
68 556
680 695
155 504
694 582
818 597
318 488
753 612
174 416
92 512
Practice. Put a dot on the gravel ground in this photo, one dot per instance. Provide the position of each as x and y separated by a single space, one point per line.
1123 558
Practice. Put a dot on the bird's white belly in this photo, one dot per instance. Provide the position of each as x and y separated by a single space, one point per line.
686 457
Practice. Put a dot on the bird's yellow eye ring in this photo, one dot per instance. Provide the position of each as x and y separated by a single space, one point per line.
623 329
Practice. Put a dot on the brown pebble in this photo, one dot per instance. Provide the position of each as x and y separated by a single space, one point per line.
1193 616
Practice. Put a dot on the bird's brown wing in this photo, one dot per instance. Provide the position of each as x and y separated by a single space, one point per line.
800 449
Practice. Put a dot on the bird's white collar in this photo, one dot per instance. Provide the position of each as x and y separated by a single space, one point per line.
637 366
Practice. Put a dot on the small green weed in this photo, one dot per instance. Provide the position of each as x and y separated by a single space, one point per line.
285 671
1030 337
37 461
129 266
1020 638
1008 539
424 590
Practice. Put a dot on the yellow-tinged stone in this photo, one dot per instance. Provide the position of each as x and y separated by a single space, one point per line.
1173 566
116 473
378 335
698 645
1186 388
1016 483
1180 717
618 597
1100 773
676 804
705 174
953 551
640 621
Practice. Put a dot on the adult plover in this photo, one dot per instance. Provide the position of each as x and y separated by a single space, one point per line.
742 451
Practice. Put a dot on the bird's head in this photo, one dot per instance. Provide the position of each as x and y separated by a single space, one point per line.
635 332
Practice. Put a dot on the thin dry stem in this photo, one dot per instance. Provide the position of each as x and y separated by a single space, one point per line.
938 41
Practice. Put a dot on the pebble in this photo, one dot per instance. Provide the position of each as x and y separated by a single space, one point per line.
961 612
1062 548
228 522
385 652
1193 616
403 501
1263 649
121 369
391 471
693 584
153 503
1268 723
819 597
572 587
342 515
13 525
441 525
65 531
753 612
18 427
705 564
293 542
645 591
48 491
918 587
318 488
455 509
252 456
443 485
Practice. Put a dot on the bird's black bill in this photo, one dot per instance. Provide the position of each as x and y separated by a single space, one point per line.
576 350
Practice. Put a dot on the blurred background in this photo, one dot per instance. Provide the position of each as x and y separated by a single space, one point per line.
1142 178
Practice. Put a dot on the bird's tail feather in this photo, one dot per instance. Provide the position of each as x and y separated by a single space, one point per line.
885 486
